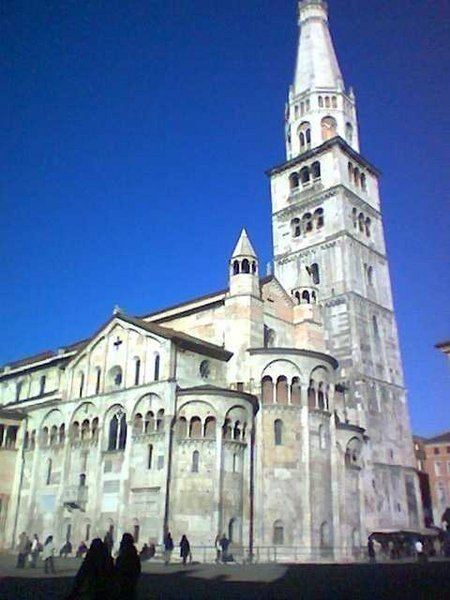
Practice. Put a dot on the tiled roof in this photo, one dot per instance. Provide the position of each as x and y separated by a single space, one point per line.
443 437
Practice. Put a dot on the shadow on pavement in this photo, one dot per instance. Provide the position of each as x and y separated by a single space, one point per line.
390 581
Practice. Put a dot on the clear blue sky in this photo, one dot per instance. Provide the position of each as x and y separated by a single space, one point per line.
135 140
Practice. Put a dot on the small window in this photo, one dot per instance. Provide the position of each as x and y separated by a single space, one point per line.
296 228
315 170
320 102
245 266
195 461
436 451
150 456
42 385
236 267
205 369
278 432
367 226
137 371
318 215
136 533
98 375
278 533
314 273
293 181
157 365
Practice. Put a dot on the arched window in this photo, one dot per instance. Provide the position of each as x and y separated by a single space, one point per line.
376 331
182 427
278 432
195 461
44 436
313 297
278 533
334 102
302 139
356 177
267 390
295 227
137 424
350 171
311 394
314 273
115 376
353 452
327 102
149 424
81 384
53 435
349 132
293 181
137 371
209 430
235 267
237 431
226 429
305 297
363 182
307 222
62 433
361 222
75 431
315 170
318 215
195 428
98 375
321 396
123 433
355 218
113 432
150 456
19 385
282 390
297 297
48 477
329 128
304 132
85 429
320 102
295 391
269 337
245 266
367 225
370 275
156 371
253 267
94 429
308 137
42 385
304 175
160 420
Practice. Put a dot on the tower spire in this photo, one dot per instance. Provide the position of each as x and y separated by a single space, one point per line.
318 107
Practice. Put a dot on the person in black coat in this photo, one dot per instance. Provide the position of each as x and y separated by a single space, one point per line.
185 549
128 568
95 577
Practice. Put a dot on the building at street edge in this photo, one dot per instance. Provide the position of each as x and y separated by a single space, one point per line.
273 410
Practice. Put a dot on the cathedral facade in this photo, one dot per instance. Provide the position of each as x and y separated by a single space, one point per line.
273 410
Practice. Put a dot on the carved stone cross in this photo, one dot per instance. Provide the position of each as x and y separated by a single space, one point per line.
117 343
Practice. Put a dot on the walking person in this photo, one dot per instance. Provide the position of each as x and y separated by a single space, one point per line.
185 549
127 568
95 577
109 541
22 547
48 554
168 548
218 548
36 547
224 544
371 550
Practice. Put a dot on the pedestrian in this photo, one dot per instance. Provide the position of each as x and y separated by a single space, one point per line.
185 549
218 548
224 544
48 554
109 541
82 550
36 547
66 549
144 554
95 577
22 547
421 556
371 550
127 568
168 548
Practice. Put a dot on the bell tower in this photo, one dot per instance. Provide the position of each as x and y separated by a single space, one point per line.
328 233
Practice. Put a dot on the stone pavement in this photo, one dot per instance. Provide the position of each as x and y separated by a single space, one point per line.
277 581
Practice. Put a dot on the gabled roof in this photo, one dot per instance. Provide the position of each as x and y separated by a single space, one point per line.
442 438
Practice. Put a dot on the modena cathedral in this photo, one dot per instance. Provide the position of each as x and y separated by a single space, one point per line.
273 410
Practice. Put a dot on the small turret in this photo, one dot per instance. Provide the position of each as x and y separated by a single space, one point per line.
244 277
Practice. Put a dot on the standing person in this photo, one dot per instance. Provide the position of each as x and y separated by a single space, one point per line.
446 545
224 544
185 549
168 548
35 549
128 568
218 548
95 577
371 550
48 555
22 548
109 541
421 556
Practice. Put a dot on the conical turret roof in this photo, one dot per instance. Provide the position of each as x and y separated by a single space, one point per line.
244 246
